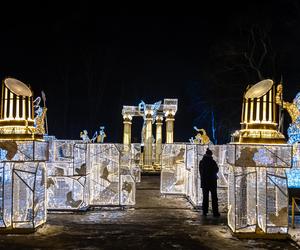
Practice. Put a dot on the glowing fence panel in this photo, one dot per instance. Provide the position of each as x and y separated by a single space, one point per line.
127 179
28 196
245 199
277 201
173 174
23 151
5 195
135 168
193 189
40 201
261 168
262 198
68 181
231 200
104 174
80 159
67 192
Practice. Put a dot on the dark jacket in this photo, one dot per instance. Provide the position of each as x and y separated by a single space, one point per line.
208 169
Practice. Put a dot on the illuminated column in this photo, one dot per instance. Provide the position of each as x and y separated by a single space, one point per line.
264 108
127 129
158 139
5 103
270 106
29 108
170 126
148 140
23 108
257 110
17 107
246 111
11 105
251 109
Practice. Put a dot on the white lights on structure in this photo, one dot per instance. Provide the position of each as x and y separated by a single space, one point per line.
90 174
180 171
258 194
67 181
151 113
22 185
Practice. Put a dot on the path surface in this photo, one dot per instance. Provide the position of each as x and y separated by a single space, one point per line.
156 223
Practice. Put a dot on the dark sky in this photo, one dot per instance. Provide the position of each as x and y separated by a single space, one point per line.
90 65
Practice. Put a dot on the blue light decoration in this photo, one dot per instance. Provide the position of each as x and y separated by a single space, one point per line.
294 139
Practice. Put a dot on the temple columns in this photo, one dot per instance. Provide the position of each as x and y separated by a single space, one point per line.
148 141
127 121
170 126
158 142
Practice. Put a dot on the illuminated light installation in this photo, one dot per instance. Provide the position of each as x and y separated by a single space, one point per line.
112 178
151 113
259 114
173 169
201 137
90 174
17 112
67 181
180 171
258 157
22 185
294 135
258 192
22 161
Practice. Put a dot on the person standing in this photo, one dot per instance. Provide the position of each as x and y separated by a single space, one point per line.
208 169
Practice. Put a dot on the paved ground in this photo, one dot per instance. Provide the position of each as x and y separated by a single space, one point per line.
156 223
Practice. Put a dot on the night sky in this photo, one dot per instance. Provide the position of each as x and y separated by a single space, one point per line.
90 65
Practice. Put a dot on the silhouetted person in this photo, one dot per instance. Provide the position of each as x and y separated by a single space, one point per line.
208 172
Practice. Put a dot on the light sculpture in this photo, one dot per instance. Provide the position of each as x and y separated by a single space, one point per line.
259 114
17 112
258 157
180 171
22 185
68 175
22 161
201 137
111 179
293 134
151 113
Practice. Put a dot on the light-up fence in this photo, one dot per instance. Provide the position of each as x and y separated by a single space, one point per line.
67 181
180 171
258 191
91 174
22 185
